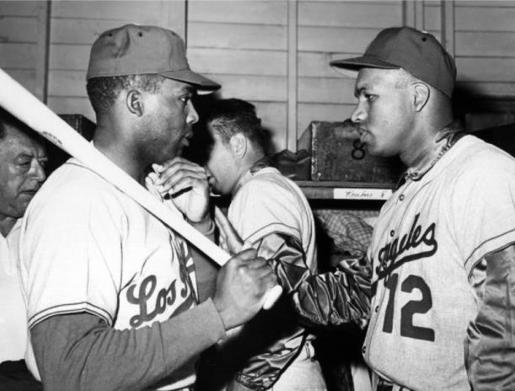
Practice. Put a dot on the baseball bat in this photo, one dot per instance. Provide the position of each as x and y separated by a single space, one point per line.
26 107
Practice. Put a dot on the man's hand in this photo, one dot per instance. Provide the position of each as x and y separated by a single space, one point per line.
241 285
187 185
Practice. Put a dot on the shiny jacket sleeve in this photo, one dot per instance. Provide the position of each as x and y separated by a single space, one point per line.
263 369
336 298
491 335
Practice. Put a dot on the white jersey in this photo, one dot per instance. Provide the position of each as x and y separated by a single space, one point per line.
13 321
88 247
266 202
427 253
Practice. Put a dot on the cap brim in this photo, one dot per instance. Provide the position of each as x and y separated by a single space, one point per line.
350 66
198 81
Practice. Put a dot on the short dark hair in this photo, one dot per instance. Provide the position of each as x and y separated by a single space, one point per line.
103 91
7 119
231 116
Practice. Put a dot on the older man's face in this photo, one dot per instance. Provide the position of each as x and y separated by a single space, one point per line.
22 162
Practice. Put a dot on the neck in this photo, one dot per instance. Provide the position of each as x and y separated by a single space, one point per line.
7 224
244 169
426 142
119 151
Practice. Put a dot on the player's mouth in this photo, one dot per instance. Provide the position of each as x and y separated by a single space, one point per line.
29 192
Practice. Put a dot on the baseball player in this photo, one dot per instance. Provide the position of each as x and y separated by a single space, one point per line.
271 214
111 293
443 247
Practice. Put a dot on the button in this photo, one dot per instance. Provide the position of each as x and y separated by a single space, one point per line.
392 232
401 197
376 309
363 349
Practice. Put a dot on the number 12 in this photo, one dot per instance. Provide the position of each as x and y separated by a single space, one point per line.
408 329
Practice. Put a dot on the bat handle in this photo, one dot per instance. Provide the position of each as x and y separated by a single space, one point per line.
271 296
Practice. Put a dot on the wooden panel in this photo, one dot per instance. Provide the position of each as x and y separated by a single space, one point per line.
71 105
67 83
143 12
18 29
317 64
485 69
79 31
19 8
273 117
17 55
69 57
326 90
486 19
255 88
350 14
321 112
485 3
481 44
335 39
252 11
432 16
238 62
26 78
236 36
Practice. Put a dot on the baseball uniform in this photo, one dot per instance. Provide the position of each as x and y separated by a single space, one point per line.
88 247
270 212
427 253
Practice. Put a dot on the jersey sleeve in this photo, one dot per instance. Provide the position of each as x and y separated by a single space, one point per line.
71 255
482 209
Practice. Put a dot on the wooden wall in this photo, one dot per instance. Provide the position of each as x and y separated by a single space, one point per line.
274 53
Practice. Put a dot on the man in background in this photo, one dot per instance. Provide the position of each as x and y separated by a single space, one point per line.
111 291
443 246
271 214
22 171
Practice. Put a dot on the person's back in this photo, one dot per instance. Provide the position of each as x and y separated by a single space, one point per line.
270 213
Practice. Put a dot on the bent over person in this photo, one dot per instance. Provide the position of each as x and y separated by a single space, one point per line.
443 246
112 299
271 214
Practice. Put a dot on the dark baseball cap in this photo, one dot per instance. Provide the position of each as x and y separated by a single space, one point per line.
136 50
417 52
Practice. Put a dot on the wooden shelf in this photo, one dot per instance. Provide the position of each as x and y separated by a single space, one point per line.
325 190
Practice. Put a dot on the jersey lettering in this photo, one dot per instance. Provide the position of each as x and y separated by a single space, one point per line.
391 255
145 295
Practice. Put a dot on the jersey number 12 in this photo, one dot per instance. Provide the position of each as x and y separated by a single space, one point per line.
408 329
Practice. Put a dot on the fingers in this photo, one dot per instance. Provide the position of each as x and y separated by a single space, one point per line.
178 174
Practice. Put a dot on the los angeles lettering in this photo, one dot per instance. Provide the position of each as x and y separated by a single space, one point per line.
142 296
391 255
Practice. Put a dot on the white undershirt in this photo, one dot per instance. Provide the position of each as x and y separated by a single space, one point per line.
13 323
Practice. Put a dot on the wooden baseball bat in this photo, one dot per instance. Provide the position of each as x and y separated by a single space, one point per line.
26 107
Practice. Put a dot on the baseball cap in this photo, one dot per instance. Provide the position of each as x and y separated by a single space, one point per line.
417 52
135 50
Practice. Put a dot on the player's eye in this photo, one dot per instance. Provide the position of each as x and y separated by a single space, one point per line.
185 99
370 97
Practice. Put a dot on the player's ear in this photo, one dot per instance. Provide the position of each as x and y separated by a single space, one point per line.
421 95
238 143
134 102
